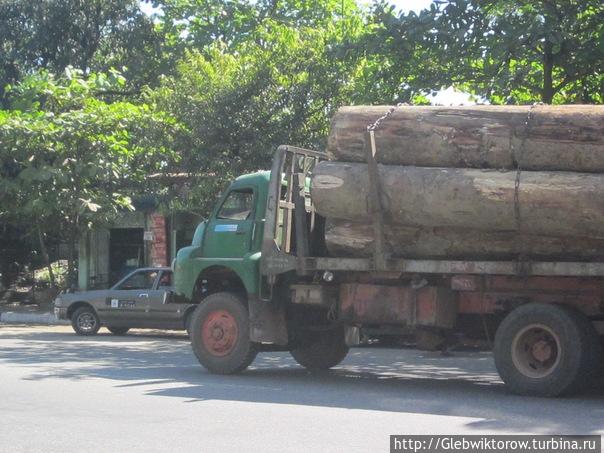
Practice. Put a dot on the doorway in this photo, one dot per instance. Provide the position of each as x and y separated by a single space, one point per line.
126 252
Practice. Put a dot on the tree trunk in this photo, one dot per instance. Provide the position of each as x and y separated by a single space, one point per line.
547 203
71 272
356 239
548 69
46 258
558 138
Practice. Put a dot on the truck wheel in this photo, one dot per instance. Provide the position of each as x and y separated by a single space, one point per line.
85 321
188 320
546 350
326 350
118 330
220 334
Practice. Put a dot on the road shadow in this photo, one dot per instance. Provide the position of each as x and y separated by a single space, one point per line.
162 365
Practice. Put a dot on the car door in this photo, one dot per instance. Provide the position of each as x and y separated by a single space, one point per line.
161 313
229 231
128 302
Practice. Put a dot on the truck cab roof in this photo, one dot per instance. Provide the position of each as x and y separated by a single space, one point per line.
257 178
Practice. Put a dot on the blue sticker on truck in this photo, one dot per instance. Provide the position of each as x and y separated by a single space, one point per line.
223 228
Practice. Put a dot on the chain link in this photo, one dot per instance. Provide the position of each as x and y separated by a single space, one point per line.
527 126
518 218
373 126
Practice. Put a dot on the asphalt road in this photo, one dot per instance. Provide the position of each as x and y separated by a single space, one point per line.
146 392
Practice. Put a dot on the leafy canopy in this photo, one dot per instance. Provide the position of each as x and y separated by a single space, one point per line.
506 51
69 158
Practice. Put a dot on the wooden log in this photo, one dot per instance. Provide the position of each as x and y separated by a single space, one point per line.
547 203
565 138
354 239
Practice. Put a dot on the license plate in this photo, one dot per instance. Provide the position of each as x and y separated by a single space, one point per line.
117 303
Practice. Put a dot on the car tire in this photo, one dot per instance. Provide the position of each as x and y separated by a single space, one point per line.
220 334
321 351
85 321
118 330
546 350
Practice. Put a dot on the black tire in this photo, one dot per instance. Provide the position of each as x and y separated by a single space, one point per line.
572 350
230 351
118 330
324 350
188 318
85 321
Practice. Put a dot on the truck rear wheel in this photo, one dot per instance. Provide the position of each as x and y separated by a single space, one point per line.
118 330
546 350
220 334
324 350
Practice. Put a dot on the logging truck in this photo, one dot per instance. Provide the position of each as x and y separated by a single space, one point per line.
263 280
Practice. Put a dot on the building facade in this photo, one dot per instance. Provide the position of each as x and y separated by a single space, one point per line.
136 239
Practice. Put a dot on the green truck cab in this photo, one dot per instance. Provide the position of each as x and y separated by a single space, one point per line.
242 264
226 248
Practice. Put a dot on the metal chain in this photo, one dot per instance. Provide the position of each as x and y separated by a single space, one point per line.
374 203
527 125
518 218
373 126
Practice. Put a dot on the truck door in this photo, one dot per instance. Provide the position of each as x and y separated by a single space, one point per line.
229 232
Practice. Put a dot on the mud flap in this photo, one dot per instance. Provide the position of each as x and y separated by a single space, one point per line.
267 322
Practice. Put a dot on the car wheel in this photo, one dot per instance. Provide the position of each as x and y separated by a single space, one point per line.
118 330
85 321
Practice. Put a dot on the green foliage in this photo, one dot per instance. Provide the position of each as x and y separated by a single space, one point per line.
279 82
70 160
88 35
506 51
59 270
548 51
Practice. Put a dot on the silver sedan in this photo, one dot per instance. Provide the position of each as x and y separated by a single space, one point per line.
138 300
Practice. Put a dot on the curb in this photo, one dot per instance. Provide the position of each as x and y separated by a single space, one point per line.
11 317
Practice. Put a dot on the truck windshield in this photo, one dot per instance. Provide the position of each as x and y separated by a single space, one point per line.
237 206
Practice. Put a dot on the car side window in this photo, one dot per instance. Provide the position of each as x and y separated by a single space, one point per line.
165 281
140 280
238 205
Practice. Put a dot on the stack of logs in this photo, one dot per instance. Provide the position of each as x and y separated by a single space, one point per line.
480 182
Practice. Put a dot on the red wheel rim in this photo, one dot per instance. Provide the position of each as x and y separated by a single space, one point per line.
219 333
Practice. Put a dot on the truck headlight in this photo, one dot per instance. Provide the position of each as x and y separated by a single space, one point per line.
328 276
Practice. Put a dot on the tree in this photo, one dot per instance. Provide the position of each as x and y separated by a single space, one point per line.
399 62
87 35
277 81
70 159
199 24
507 51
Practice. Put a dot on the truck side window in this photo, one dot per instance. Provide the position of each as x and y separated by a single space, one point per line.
238 205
